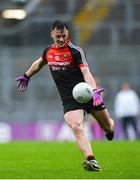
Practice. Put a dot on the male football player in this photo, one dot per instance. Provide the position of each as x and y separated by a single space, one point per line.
68 66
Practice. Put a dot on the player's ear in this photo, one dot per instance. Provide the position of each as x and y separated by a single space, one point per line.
67 32
51 34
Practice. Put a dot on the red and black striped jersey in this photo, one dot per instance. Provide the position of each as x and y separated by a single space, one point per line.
64 64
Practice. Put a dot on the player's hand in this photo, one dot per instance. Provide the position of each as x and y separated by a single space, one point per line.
97 98
22 82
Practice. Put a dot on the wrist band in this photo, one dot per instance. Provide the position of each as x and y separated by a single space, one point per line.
26 76
94 90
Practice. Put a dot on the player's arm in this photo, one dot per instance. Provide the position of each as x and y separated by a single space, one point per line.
24 79
88 76
35 67
97 98
80 59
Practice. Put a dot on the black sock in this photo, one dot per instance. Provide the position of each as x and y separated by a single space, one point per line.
110 135
91 157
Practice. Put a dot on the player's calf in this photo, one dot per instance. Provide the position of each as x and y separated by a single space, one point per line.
110 130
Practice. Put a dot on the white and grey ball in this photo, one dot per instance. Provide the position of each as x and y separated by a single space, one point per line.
82 92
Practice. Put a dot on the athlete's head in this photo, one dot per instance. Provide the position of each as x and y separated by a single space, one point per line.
59 33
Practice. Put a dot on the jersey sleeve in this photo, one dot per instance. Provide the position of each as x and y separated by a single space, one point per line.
44 54
81 58
79 55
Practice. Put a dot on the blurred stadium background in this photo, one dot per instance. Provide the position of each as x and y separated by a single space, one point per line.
108 31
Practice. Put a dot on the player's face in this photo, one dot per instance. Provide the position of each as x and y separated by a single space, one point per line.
60 37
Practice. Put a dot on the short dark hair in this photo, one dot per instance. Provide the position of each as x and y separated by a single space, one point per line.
59 25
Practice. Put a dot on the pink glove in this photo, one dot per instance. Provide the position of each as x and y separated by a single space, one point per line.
22 82
97 98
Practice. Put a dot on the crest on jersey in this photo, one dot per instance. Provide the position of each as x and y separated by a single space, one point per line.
65 57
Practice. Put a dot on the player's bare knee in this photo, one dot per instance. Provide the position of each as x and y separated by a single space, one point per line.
76 127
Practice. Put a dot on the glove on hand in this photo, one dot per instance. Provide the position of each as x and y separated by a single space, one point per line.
22 82
97 98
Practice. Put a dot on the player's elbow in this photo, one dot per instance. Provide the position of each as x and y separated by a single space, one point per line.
36 66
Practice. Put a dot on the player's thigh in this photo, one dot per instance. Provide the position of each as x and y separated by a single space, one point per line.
103 118
74 117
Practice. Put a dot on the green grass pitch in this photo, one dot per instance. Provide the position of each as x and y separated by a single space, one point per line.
51 160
